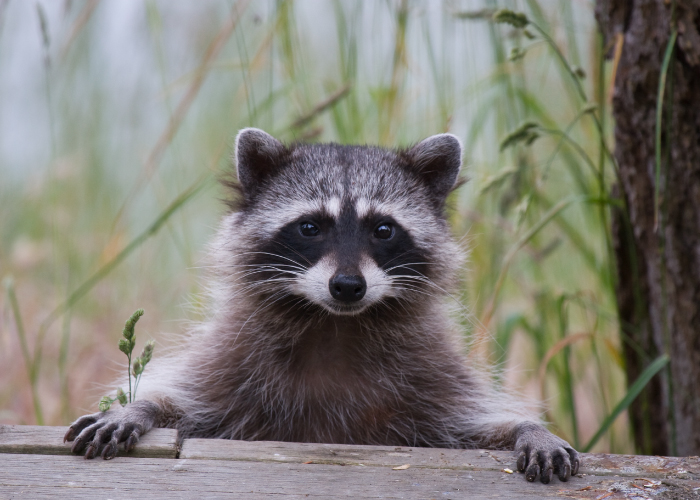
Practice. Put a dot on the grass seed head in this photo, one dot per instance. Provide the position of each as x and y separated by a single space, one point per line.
126 346
516 53
137 367
105 403
121 396
517 19
527 133
147 352
128 331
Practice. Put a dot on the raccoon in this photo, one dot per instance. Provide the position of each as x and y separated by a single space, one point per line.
332 277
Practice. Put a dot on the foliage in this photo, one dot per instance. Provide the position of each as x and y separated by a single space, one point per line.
126 345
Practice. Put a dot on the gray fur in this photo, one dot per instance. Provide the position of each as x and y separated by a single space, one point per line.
277 360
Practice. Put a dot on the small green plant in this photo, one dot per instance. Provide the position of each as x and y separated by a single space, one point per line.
135 369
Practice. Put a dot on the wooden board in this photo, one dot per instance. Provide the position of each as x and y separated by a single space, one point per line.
45 476
34 439
34 463
435 458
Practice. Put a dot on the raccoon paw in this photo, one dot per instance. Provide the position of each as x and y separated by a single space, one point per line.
541 452
101 433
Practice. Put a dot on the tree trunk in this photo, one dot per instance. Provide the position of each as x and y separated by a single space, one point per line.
658 256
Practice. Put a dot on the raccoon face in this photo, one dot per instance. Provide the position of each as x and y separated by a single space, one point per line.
344 227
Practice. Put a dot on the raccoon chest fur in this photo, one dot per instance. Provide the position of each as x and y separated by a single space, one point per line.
335 383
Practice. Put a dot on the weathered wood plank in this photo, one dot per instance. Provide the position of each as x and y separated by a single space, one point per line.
596 464
243 469
338 454
34 439
41 476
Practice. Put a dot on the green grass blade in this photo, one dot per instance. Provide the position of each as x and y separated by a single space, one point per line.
31 371
631 395
567 381
564 62
659 113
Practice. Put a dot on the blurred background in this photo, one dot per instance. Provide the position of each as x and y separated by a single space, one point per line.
117 116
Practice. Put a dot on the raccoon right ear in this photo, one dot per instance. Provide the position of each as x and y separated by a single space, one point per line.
437 160
258 155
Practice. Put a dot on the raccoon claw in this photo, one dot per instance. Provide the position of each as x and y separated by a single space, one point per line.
132 440
101 433
80 424
544 454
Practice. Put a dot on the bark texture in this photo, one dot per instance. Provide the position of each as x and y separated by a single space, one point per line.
659 269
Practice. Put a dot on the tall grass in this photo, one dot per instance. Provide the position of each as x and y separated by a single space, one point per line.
136 118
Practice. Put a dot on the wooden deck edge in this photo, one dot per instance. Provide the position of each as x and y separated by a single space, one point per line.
162 443
72 478
39 440
430 458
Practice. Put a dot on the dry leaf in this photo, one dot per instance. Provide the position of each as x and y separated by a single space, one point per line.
309 462
402 467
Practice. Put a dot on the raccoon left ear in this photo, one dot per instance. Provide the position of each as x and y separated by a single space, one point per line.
258 155
437 161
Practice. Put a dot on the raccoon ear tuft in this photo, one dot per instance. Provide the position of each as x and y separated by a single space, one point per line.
258 155
437 160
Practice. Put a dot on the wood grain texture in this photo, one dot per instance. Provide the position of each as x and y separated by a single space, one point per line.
216 468
42 476
600 464
34 439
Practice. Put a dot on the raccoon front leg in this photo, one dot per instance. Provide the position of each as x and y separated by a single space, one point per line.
541 452
102 432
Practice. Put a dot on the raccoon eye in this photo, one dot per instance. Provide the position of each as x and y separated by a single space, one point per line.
384 231
309 229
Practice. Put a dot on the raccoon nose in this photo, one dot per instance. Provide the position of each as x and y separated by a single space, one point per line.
347 288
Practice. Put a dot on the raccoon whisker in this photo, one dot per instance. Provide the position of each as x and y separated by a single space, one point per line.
406 265
277 256
424 279
284 268
414 289
454 299
240 275
257 284
293 250
228 266
272 281
409 278
246 280
280 276
281 272
265 269
397 257
277 264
